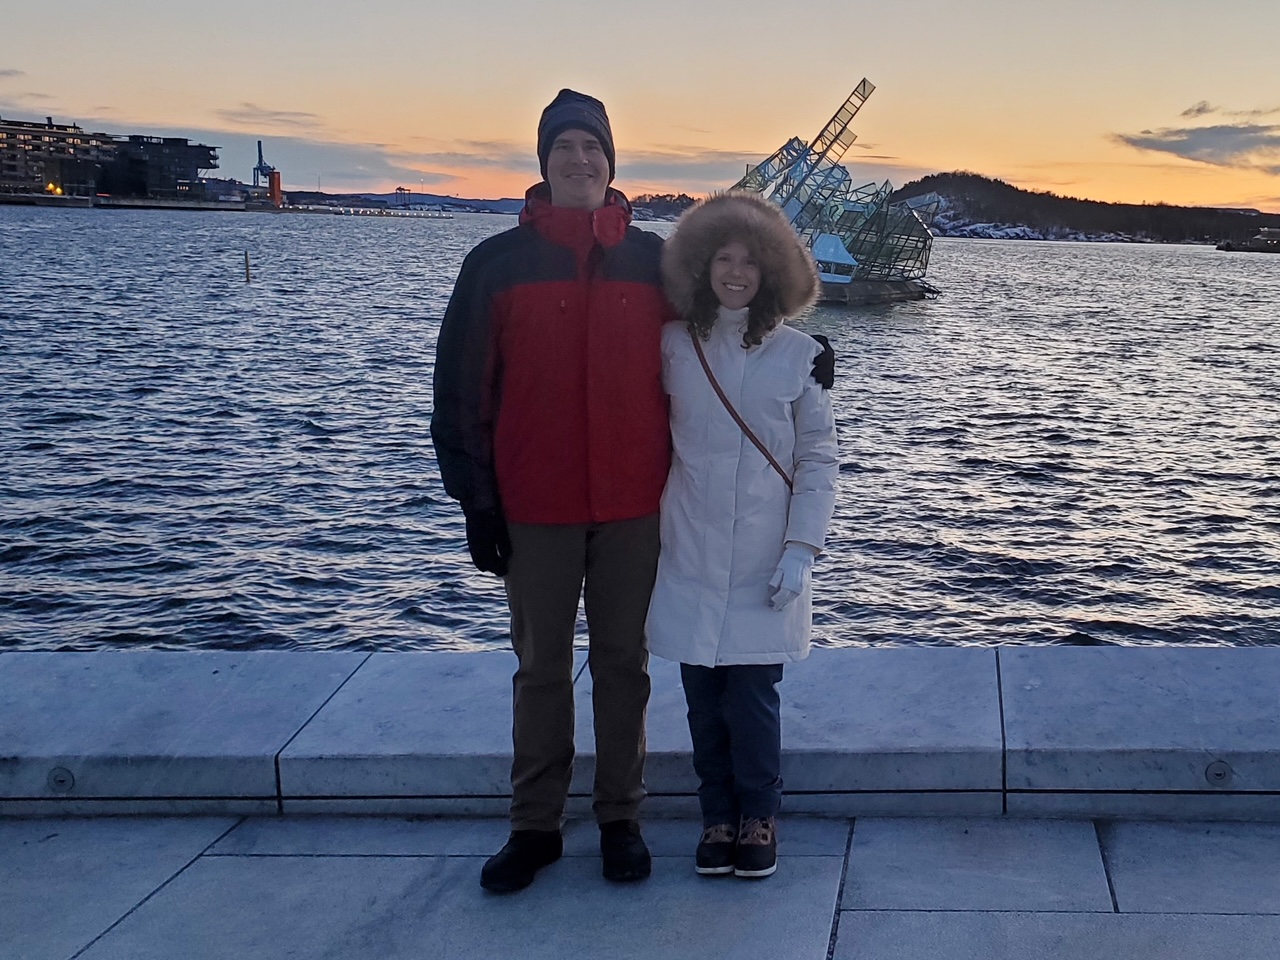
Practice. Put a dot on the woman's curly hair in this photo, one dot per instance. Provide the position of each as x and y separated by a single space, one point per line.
763 313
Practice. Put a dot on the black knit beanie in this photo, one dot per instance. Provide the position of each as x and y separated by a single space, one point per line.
571 110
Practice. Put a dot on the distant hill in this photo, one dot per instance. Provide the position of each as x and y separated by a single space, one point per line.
661 206
972 206
977 206
394 200
454 204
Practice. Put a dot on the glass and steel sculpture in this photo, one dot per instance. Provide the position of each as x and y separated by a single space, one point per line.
855 233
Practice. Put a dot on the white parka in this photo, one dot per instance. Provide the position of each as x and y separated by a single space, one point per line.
726 514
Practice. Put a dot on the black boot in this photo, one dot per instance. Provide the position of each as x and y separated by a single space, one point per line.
716 850
626 858
526 852
757 854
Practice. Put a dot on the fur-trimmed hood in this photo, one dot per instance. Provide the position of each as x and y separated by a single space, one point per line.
785 264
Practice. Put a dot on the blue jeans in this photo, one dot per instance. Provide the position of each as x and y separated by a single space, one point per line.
736 727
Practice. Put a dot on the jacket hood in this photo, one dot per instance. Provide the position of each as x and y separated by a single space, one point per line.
785 264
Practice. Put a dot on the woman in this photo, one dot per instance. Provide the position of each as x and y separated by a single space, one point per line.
739 532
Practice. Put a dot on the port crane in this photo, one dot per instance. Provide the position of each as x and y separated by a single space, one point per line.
266 175
262 172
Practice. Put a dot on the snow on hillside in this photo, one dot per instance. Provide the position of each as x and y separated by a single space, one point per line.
952 222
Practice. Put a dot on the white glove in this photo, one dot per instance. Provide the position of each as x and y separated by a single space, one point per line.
788 580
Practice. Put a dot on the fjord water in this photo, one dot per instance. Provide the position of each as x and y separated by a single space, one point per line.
1076 443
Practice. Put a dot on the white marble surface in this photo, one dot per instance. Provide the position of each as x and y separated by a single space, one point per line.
480 837
364 836
167 807
1127 732
888 935
63 882
868 803
1194 867
398 806
975 864
156 724
1145 806
415 907
907 718
409 724
328 888
1141 719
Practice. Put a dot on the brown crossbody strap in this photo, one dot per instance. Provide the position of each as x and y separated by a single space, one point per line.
706 367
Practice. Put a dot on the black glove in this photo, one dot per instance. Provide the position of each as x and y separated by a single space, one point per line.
824 366
488 541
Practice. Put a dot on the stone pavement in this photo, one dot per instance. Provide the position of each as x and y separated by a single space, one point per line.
157 888
930 765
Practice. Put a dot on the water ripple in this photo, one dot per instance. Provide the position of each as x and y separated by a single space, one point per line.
1075 445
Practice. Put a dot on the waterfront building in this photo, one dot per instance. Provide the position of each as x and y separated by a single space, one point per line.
53 158
40 159
157 168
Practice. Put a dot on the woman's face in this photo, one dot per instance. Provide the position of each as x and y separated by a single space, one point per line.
735 275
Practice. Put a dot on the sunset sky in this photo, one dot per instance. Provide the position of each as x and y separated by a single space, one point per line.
1124 100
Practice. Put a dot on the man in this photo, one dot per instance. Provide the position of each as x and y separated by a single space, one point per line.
550 427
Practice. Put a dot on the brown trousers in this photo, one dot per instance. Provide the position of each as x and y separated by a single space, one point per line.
549 566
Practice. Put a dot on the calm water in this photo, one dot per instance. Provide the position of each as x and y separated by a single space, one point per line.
1077 443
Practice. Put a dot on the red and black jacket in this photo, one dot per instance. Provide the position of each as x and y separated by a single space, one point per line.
548 387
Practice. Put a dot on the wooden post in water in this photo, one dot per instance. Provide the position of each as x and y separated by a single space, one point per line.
247 277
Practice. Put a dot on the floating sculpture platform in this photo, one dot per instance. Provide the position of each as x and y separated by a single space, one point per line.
859 293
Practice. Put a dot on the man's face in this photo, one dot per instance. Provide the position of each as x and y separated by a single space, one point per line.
578 171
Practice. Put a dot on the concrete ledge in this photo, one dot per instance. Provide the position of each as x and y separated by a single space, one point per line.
409 725
872 803
865 803
890 720
107 807
1142 720
155 725
398 806
1063 732
1119 805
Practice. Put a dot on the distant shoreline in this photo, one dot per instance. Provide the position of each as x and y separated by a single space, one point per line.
953 227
